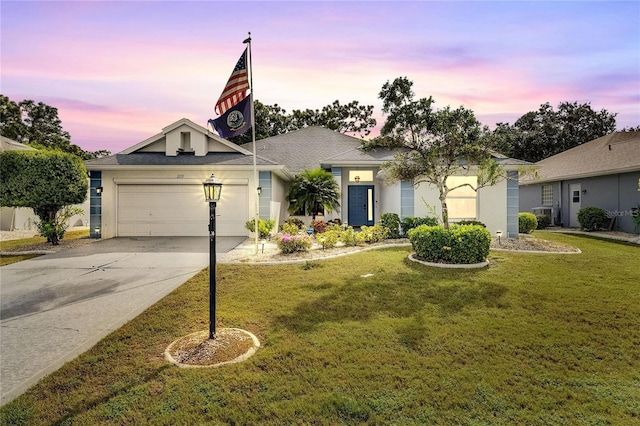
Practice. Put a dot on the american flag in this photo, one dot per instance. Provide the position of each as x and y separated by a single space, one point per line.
236 88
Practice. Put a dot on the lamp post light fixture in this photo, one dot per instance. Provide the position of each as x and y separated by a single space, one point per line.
212 190
499 234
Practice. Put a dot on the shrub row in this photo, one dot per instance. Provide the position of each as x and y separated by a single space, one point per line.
459 244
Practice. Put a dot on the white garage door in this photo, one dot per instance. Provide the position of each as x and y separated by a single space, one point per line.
179 210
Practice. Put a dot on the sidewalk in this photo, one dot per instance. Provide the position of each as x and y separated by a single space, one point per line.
608 235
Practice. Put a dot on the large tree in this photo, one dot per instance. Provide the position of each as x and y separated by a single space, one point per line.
46 181
272 120
38 125
540 134
311 190
433 144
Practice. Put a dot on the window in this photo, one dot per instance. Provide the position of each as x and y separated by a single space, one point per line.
461 202
576 196
360 176
547 195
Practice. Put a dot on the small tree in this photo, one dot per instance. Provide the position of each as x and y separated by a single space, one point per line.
311 190
433 144
45 181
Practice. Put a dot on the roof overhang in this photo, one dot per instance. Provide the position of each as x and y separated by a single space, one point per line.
579 176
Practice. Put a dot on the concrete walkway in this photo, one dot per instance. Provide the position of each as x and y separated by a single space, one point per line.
54 307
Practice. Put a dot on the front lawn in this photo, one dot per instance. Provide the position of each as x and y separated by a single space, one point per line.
534 339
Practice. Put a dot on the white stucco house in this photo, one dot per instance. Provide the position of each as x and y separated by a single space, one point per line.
154 188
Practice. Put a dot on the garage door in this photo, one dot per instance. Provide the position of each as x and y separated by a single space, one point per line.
179 210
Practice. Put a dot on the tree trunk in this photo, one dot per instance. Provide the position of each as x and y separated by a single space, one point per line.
442 189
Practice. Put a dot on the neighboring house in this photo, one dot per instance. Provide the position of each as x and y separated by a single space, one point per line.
22 218
155 187
603 173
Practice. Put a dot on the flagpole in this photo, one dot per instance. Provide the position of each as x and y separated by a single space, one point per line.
253 139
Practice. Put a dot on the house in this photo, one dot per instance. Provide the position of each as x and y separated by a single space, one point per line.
22 218
603 173
155 187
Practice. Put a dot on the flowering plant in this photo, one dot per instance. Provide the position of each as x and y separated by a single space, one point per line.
288 243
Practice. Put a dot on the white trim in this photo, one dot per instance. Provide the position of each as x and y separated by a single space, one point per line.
177 181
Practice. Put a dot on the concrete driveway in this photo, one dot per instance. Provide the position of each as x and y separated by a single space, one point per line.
54 307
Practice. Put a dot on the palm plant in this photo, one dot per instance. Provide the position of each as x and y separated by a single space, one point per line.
311 190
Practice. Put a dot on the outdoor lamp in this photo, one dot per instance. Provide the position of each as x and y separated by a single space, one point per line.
498 234
259 190
357 179
99 190
212 189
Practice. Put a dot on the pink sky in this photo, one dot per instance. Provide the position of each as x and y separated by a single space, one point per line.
119 72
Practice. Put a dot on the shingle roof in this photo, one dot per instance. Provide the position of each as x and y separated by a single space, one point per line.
7 144
305 148
160 159
616 152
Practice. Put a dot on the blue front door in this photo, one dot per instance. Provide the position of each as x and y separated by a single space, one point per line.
361 202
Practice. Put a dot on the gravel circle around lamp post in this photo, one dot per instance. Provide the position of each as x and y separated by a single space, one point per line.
197 350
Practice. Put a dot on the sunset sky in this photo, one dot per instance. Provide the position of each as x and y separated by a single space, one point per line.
119 72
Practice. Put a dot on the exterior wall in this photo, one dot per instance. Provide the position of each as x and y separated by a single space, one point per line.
628 198
17 219
512 195
617 194
531 200
279 191
109 196
426 201
492 207
390 198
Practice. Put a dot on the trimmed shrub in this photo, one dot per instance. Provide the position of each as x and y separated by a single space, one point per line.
527 222
293 243
374 234
294 221
350 237
391 221
591 218
264 227
543 221
289 228
319 226
411 222
462 244
328 239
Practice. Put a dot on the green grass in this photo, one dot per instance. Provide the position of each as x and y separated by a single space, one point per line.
534 339
26 242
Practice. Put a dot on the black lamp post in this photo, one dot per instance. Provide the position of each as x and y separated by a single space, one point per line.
212 191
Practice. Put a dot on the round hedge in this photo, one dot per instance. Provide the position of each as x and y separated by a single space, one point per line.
463 244
527 222
591 218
